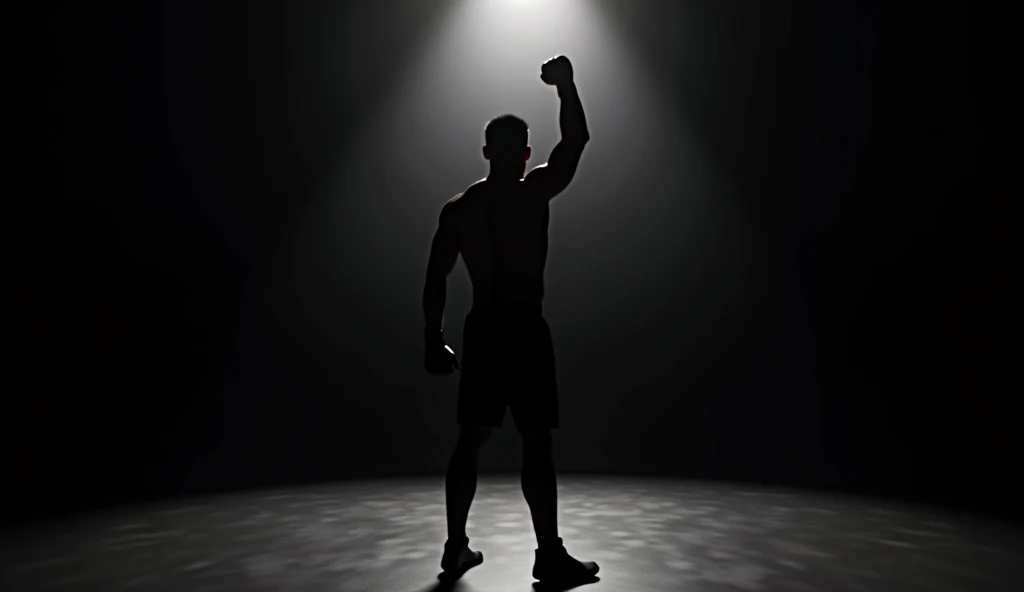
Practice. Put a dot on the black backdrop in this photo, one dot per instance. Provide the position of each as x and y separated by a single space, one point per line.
870 345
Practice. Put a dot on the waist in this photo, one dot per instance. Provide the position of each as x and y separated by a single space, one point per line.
507 309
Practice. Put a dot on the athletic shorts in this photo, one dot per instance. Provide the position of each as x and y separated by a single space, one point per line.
508 361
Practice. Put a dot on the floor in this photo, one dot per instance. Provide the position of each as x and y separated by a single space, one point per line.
647 535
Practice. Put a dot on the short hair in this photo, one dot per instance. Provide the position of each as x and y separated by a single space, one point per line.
507 134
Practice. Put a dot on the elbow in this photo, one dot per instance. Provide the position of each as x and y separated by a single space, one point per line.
578 141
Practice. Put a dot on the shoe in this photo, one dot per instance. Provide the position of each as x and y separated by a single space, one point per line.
458 558
555 566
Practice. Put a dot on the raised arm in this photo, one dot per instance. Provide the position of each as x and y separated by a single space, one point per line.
552 178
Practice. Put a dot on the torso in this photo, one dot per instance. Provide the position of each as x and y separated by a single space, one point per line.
503 238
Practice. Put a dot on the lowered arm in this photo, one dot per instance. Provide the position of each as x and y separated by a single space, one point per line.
444 252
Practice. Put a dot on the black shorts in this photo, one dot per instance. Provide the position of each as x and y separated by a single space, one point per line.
508 360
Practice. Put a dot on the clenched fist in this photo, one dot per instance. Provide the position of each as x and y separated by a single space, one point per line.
438 358
557 71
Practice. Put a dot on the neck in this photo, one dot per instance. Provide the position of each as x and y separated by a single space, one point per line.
503 174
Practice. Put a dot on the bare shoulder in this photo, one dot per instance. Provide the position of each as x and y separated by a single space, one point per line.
473 188
453 202
456 203
451 208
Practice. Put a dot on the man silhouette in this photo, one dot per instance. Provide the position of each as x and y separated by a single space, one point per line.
500 225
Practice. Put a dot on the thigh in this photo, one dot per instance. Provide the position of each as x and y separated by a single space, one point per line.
482 396
533 384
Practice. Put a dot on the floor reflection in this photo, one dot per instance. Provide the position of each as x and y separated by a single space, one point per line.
647 535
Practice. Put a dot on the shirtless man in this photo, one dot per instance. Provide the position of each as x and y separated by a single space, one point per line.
500 226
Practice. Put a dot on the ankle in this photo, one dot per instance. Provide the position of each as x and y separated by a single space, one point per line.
549 545
457 542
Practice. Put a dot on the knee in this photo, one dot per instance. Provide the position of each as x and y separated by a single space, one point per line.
537 446
473 438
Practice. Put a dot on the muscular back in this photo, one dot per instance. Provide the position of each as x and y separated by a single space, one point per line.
500 224
502 231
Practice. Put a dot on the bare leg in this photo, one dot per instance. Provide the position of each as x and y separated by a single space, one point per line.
540 487
460 481
553 563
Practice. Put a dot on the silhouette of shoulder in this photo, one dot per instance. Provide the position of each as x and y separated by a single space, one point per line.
457 204
450 209
453 202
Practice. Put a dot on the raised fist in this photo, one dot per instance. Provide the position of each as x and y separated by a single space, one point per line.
556 71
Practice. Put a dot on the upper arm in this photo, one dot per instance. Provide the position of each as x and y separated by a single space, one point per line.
444 249
552 178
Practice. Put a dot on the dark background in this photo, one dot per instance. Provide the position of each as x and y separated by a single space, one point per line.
181 321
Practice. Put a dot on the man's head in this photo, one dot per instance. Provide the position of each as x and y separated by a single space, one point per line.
507 143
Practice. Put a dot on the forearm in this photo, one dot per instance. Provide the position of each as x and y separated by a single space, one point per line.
434 296
571 121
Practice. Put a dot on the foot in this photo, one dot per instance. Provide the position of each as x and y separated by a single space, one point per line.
555 566
459 558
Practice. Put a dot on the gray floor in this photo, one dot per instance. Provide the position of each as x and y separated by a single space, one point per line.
647 535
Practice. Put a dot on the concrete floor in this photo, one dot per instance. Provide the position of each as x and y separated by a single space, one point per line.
647 535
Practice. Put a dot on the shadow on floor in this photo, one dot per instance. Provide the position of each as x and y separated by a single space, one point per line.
454 584
539 587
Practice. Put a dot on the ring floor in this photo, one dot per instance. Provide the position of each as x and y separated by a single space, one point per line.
646 534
